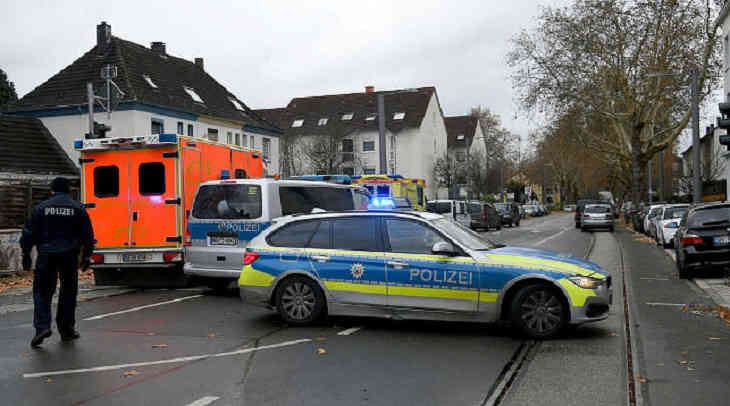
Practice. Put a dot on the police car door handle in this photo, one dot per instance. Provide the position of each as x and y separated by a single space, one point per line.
397 264
320 258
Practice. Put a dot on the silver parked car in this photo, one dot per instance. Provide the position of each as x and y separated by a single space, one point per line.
597 216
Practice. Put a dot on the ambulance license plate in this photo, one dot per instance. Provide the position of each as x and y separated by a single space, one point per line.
134 257
218 240
722 240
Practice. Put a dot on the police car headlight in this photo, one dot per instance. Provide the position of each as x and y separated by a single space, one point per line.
586 282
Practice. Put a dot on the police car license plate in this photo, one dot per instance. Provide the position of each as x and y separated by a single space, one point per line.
721 240
134 257
218 240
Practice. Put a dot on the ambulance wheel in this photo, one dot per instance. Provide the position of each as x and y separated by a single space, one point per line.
300 301
539 311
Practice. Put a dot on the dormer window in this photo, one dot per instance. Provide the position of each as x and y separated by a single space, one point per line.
460 137
297 123
235 103
370 117
149 81
399 115
347 116
191 92
322 121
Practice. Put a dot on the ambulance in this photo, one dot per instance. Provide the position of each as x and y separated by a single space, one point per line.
394 186
139 191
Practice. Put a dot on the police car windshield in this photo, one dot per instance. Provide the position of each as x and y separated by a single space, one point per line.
463 235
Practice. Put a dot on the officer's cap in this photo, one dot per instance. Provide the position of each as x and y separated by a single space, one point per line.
60 185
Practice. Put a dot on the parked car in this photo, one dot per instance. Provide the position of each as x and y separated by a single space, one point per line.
648 226
579 205
637 218
667 223
523 213
597 216
530 210
455 210
703 238
569 207
509 212
484 215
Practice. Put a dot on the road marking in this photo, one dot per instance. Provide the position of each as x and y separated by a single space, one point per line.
134 309
349 331
204 401
664 304
543 241
165 361
655 279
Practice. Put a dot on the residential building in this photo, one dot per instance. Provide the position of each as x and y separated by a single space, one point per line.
724 22
153 92
465 143
712 162
340 133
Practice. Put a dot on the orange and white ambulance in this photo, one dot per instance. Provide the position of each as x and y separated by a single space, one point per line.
139 191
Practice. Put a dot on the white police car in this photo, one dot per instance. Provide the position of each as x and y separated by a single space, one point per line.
415 265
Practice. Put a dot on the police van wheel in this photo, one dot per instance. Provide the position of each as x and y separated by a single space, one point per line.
539 311
300 301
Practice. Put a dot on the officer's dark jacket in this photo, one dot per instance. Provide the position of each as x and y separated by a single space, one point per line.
59 224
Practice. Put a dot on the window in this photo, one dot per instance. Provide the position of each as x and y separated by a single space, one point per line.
213 134
368 146
347 116
322 121
238 139
106 181
321 238
347 146
399 115
235 103
229 137
371 117
368 171
460 156
180 128
297 123
460 137
348 171
235 202
266 145
410 237
240 174
355 234
191 92
190 130
252 142
158 126
711 217
294 235
149 81
299 199
152 178
244 141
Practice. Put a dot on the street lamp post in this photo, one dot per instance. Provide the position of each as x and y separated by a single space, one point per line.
381 126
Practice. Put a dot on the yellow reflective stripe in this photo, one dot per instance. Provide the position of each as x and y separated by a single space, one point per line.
433 293
577 294
544 264
252 277
356 287
489 297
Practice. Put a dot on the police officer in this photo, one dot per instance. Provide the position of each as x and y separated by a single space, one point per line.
59 227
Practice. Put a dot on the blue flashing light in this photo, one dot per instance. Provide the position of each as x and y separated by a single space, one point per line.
382 203
168 138
395 176
78 144
225 174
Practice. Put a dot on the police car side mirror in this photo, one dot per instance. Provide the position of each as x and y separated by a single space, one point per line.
443 248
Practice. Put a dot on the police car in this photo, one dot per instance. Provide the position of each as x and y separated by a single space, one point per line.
415 265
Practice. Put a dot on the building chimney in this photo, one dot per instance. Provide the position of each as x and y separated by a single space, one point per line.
199 63
103 36
158 47
369 89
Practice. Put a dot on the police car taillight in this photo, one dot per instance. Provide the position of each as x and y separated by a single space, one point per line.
250 257
97 258
188 239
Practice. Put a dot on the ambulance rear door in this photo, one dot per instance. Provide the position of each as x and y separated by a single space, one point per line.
106 194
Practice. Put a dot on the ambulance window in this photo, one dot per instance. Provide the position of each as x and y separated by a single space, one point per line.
106 181
355 234
152 178
409 237
295 235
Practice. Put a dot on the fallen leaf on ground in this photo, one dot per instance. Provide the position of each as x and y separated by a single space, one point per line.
690 369
321 351
159 345
321 339
211 335
683 362
612 334
714 338
131 372
641 379
50 380
151 334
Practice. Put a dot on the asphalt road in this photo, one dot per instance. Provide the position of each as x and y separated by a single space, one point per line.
194 348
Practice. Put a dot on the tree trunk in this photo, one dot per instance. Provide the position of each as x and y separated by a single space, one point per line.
635 170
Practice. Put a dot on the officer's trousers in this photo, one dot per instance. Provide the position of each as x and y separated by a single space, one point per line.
49 268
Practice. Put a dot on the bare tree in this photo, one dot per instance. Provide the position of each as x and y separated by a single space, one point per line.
448 173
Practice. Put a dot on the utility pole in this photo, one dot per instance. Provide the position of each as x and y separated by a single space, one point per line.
381 131
90 99
697 183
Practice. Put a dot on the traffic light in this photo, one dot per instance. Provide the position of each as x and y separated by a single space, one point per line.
724 122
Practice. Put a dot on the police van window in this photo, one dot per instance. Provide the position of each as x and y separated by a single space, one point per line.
294 235
321 238
355 234
106 181
301 199
152 178
231 202
409 237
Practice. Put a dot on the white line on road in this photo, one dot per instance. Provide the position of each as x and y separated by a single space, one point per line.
134 309
664 304
204 401
164 361
655 279
349 331
543 241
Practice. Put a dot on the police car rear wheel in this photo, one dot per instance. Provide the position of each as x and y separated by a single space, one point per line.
300 301
539 311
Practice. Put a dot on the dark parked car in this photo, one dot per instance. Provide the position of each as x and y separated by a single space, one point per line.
703 238
510 213
484 215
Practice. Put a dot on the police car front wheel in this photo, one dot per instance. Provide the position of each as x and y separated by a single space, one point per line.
299 300
539 311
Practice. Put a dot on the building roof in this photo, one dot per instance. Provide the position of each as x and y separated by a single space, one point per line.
139 68
26 146
404 108
457 126
273 116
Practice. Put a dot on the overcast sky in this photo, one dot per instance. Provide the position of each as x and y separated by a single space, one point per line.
269 52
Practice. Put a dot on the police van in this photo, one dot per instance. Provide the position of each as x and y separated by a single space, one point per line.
227 213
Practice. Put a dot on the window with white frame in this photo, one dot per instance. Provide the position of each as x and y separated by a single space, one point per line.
266 147
149 81
368 146
229 138
297 123
180 128
460 137
322 121
460 156
238 139
191 92
213 134
191 132
235 103
347 116
399 115
244 141
252 143
158 126
371 117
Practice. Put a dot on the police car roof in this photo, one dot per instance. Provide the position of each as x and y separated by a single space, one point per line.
411 213
266 181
